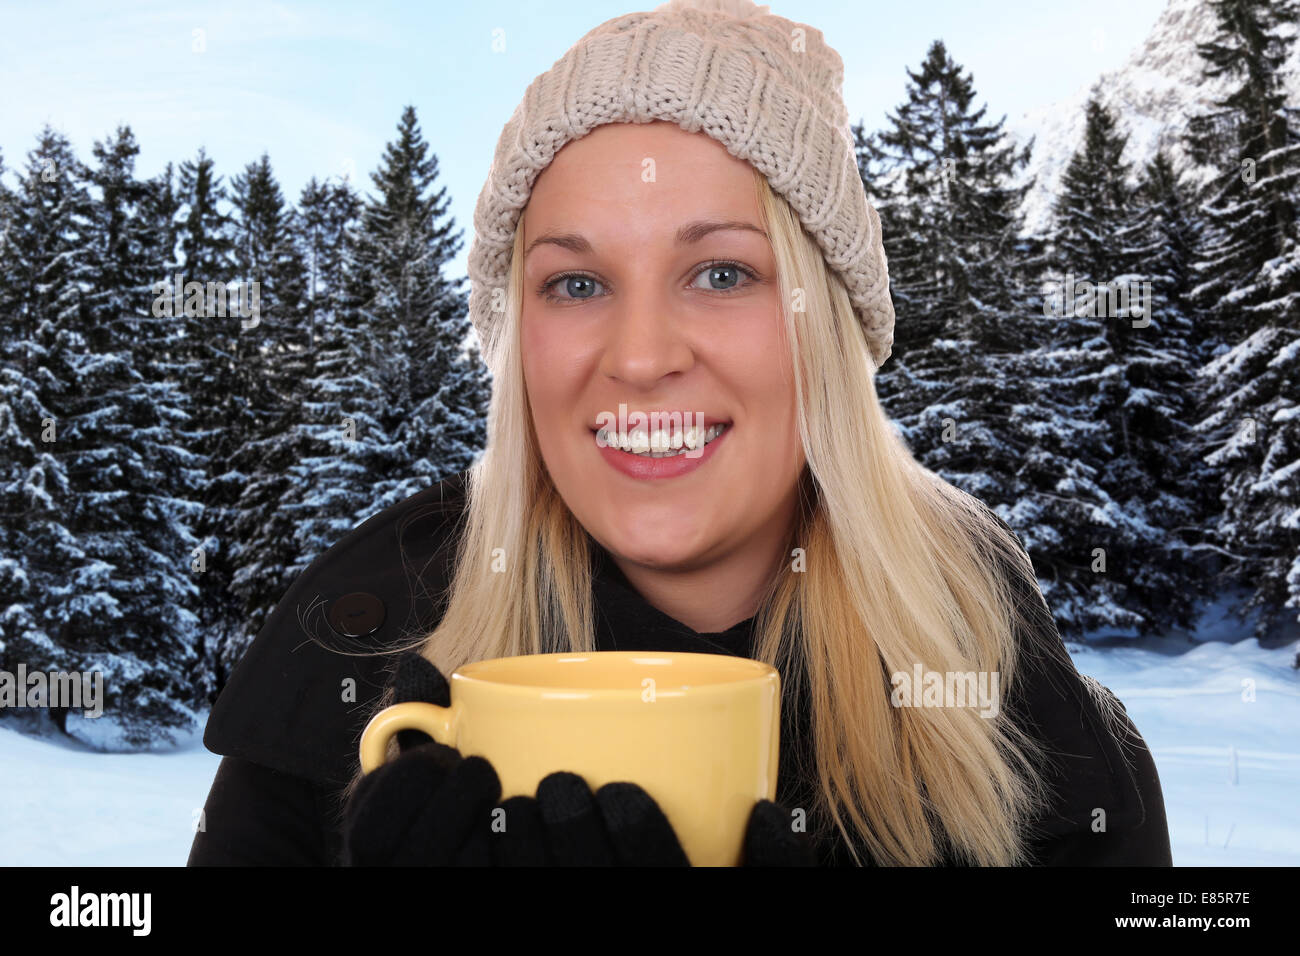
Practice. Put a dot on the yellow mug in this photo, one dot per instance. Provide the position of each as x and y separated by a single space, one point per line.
698 732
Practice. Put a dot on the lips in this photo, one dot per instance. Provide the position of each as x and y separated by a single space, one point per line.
675 466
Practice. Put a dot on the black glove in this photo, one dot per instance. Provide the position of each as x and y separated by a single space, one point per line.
433 807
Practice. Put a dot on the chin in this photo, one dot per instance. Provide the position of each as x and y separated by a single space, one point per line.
660 550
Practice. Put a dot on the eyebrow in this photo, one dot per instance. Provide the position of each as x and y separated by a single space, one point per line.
691 232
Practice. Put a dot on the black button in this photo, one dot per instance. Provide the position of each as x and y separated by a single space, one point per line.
356 614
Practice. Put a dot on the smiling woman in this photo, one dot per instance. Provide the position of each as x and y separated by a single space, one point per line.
743 281
809 527
654 265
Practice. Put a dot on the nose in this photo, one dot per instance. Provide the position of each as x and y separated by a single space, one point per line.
645 342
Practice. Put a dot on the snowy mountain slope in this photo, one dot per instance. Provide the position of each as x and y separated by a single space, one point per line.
1153 95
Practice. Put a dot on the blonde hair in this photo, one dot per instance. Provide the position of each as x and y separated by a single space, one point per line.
901 568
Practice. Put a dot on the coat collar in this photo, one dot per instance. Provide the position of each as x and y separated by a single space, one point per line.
300 696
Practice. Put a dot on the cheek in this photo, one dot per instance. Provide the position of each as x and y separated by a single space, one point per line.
757 359
554 379
763 380
543 359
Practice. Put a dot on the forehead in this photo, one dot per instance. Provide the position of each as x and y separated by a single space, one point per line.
623 170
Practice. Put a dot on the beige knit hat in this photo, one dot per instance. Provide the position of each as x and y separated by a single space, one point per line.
767 88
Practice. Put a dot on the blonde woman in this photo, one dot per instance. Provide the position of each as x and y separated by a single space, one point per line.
673 223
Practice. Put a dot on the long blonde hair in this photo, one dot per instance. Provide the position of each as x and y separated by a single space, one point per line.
902 568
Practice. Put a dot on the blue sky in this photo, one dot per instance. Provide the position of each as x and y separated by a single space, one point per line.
320 86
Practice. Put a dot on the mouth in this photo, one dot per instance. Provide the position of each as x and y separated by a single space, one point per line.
662 442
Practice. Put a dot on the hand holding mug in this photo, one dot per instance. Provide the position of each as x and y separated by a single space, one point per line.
432 806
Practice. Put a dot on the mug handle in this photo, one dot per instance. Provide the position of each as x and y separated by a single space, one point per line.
437 722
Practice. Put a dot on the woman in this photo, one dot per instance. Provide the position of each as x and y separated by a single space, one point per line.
673 222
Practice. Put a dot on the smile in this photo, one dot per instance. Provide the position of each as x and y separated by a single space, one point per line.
644 455
662 442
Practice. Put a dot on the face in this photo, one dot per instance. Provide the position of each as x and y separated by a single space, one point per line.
630 298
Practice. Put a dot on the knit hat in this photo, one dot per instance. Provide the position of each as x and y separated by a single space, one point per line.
767 88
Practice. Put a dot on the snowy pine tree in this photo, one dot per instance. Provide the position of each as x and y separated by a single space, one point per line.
38 555
1247 268
49 585
1248 272
98 510
263 551
433 407
326 212
393 405
264 251
1166 220
132 479
1112 400
220 356
962 281
1254 389
941 177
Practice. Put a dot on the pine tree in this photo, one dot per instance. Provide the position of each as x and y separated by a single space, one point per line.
1157 478
1247 269
1248 274
1109 401
1177 230
263 552
326 211
166 355
961 277
1166 215
130 476
433 392
37 553
265 252
96 533
294 452
1254 389
393 395
167 350
50 586
220 355
1064 502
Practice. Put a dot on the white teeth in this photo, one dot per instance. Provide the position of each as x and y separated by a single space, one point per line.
663 443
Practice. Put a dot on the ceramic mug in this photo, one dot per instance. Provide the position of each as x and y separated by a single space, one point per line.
698 732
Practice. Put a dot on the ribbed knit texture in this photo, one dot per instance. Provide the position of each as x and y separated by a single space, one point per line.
769 89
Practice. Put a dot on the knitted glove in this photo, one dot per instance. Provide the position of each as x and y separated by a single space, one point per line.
433 807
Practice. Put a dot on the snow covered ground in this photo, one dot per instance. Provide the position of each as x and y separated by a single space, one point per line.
66 805
1229 767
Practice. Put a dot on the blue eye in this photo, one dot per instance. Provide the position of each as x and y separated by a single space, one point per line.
578 285
574 284
723 268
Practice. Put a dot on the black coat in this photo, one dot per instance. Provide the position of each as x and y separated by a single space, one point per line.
290 718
